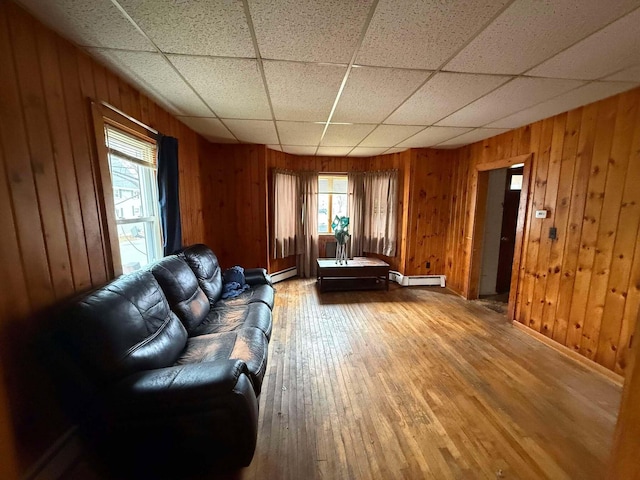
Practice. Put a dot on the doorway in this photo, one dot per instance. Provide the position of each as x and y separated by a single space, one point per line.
498 245
501 201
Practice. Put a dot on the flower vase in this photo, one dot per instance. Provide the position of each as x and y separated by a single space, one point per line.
341 253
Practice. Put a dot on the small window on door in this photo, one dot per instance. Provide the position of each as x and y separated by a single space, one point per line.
133 167
516 182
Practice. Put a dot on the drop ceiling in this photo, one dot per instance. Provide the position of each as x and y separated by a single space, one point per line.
359 77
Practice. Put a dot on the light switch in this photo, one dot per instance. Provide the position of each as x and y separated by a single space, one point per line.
541 213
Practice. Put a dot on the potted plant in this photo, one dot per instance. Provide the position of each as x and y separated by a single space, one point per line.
340 227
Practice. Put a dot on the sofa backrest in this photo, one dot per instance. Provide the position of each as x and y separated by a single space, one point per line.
124 327
205 266
181 287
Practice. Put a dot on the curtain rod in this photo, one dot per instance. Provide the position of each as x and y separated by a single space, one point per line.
286 170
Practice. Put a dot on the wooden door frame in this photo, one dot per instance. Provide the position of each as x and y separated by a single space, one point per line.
626 441
482 175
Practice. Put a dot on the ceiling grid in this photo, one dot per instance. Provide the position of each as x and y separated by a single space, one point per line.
359 77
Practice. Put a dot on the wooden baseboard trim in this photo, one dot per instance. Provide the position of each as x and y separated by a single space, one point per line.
58 458
456 292
590 364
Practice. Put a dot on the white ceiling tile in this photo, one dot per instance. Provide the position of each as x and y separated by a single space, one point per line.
89 23
424 34
302 91
210 128
205 27
512 97
108 59
389 135
432 136
299 133
391 87
345 135
473 136
253 131
334 151
443 94
155 75
232 87
308 30
589 93
275 147
603 53
631 74
299 149
530 31
409 38
367 151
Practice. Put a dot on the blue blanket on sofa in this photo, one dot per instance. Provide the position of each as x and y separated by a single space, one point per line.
233 282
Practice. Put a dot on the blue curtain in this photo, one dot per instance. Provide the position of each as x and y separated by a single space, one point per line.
168 194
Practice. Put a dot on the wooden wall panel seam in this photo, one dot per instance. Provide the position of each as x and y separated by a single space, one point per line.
41 156
604 238
21 180
561 218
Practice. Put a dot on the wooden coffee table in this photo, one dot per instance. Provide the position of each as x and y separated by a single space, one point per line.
359 273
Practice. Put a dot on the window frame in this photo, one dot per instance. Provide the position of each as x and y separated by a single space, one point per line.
331 177
104 114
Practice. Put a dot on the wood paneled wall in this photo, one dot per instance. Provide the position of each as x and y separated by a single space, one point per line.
399 161
51 239
582 289
238 210
234 194
429 193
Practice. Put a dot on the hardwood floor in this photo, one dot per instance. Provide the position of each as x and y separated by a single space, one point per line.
418 383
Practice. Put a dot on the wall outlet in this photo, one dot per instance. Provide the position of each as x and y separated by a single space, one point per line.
428 265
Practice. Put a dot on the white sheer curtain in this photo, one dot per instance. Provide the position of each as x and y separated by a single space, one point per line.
356 199
287 216
308 255
380 212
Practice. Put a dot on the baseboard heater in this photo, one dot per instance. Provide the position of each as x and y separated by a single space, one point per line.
284 274
417 280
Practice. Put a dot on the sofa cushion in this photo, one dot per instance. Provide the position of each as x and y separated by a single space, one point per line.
122 328
225 319
256 294
181 287
247 344
205 266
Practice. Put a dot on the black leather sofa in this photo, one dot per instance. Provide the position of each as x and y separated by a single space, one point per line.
156 363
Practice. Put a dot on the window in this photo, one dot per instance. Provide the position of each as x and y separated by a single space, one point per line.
132 164
332 200
516 182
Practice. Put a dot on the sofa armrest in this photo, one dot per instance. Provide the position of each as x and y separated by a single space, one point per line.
206 410
257 276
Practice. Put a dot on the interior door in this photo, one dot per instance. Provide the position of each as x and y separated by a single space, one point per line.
508 233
